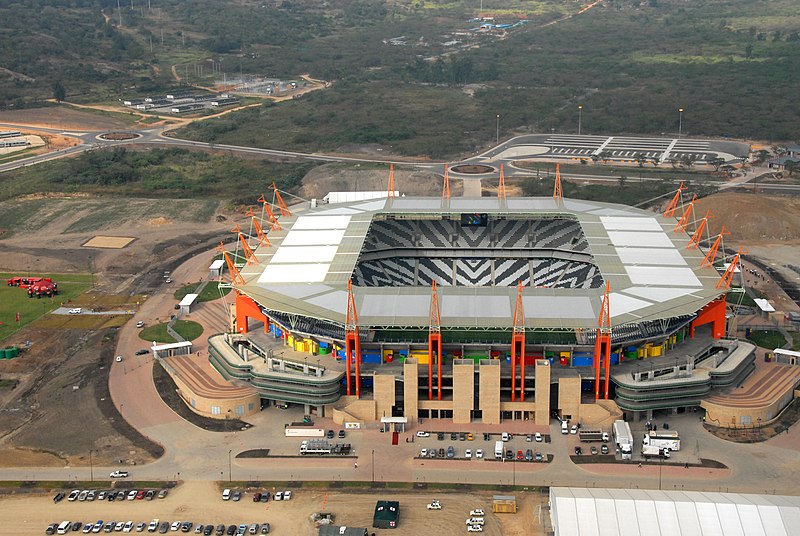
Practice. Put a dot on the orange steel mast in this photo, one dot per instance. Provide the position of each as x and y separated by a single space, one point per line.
248 252
670 211
681 226
352 342
602 345
446 186
391 181
501 189
236 276
725 280
434 343
694 243
273 221
284 209
711 256
518 347
262 236
558 192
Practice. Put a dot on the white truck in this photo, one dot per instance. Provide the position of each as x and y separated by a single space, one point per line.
649 451
663 439
315 446
303 431
624 439
498 450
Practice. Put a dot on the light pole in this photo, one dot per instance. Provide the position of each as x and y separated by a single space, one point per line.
229 466
373 467
680 122
497 130
91 466
580 113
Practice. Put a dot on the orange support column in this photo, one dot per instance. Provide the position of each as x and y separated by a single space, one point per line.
602 345
714 314
518 346
351 340
434 341
246 308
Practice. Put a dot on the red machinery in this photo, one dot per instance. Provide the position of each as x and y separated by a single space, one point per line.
43 287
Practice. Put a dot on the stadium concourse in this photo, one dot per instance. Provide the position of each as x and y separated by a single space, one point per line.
425 296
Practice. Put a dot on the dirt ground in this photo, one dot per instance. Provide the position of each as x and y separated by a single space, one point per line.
61 117
347 178
200 502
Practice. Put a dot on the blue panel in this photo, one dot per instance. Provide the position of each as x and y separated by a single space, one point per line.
323 344
371 358
581 361
614 359
278 333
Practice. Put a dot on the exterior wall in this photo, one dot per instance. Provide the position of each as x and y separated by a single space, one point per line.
489 394
247 308
542 394
217 408
410 390
569 398
384 394
463 392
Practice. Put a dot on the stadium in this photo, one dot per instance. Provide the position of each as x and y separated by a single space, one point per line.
478 309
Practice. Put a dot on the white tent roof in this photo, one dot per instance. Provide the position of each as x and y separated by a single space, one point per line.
764 305
189 299
612 512
217 264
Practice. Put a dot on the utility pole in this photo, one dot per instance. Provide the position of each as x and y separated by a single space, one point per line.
580 113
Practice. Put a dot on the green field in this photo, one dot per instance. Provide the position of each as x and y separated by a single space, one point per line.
209 293
15 300
185 328
767 339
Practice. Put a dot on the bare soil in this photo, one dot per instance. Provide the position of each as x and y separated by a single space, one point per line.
200 502
345 178
61 117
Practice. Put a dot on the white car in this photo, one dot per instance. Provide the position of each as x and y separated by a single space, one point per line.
474 528
423 434
423 453
477 512
226 495
468 453
128 526
73 495
119 474
140 324
278 496
287 495
538 437
75 311
434 505
132 495
176 525
479 453
574 429
475 521
118 358
119 526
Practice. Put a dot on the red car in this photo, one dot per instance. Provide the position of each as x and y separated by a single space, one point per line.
520 455
140 495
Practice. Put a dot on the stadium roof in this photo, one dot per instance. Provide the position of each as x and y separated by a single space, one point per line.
652 273
612 512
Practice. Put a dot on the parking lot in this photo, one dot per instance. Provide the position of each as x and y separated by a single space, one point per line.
200 503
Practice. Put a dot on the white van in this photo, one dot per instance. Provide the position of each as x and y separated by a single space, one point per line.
64 527
565 427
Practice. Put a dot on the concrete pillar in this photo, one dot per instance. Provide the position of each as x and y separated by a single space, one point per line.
542 393
410 390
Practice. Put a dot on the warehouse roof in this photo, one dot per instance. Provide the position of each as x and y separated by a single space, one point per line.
607 512
652 273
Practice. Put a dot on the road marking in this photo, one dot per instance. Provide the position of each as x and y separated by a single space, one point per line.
602 146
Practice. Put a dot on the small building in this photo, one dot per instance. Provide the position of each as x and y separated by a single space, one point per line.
171 349
387 515
779 163
10 134
215 270
504 504
187 302
336 530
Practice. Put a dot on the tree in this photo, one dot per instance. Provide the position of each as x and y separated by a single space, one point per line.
59 92
748 51
791 167
716 162
687 161
641 158
762 155
622 180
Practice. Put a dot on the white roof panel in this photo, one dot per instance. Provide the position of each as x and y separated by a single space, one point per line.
321 222
662 276
620 304
669 257
640 238
764 305
658 294
622 223
301 254
294 273
189 299
217 264
481 306
313 238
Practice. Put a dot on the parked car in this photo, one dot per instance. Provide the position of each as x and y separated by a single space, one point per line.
59 497
538 437
140 526
451 452
468 453
226 495
150 495
186 526
477 512
163 493
593 450
75 311
341 434
578 451
119 474
257 496
51 528
163 527
87 528
453 436
287 495
529 438
265 497
142 352
140 494
264 528
237 495
175 526
539 457
92 495
434 505
423 453
140 324
132 494
220 530
479 453
278 495
432 453
330 434
73 495
199 528
574 429
470 437
231 530
529 455
127 527
604 449
441 453
520 455
253 528
102 495
440 436
423 434
462 436
82 495
208 530
474 528
509 454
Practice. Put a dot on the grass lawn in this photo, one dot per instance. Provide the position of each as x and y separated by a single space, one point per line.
15 300
186 328
209 293
767 338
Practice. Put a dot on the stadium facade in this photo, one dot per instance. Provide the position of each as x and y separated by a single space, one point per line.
426 295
